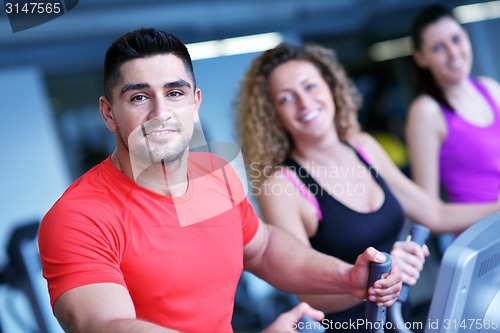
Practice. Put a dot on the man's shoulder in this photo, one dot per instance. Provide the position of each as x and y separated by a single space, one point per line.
87 191
93 180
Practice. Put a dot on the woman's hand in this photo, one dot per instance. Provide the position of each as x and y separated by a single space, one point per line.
410 258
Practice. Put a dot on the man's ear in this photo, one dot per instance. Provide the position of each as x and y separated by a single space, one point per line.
107 114
419 59
197 101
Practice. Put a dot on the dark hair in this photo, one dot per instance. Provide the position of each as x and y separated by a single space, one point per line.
142 43
425 81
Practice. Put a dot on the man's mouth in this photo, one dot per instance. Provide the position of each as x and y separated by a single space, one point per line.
161 132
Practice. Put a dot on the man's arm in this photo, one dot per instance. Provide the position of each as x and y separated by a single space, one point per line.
279 258
101 307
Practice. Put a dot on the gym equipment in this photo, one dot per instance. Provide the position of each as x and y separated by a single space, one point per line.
419 235
466 296
375 315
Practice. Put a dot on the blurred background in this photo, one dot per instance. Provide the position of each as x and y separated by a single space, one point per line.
52 132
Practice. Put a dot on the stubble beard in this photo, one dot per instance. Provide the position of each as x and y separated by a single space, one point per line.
160 154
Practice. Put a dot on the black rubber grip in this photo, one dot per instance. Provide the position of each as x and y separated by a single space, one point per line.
419 235
373 313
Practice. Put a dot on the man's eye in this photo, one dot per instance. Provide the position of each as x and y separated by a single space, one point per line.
174 93
138 98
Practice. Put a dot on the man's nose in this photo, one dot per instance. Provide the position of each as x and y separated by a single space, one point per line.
160 109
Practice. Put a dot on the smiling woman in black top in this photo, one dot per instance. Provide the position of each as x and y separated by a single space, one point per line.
317 175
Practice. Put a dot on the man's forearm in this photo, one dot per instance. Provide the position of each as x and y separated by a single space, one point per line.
291 266
124 326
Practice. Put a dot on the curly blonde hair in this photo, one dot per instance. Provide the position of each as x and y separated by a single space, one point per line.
264 141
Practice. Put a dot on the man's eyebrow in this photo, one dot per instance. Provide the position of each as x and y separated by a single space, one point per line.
139 86
177 84
133 86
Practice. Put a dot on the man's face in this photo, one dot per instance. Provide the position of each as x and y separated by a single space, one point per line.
154 109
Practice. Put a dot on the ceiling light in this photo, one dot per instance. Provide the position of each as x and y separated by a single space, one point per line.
390 49
233 46
478 12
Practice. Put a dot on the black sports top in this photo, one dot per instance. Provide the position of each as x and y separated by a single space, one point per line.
345 233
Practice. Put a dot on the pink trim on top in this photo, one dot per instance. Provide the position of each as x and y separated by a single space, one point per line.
363 154
486 94
303 190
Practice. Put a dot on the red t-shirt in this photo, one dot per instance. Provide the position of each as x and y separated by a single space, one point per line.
180 258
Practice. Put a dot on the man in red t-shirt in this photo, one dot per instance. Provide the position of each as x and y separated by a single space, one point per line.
154 238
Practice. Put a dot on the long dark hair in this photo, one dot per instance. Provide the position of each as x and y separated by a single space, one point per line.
426 83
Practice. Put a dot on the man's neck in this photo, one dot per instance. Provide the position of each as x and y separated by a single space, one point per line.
168 179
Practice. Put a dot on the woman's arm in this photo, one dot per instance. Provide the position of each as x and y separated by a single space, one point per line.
425 130
418 205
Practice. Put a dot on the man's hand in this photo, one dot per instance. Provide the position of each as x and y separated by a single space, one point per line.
385 291
287 322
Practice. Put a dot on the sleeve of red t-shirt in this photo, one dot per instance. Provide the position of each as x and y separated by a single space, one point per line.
76 249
